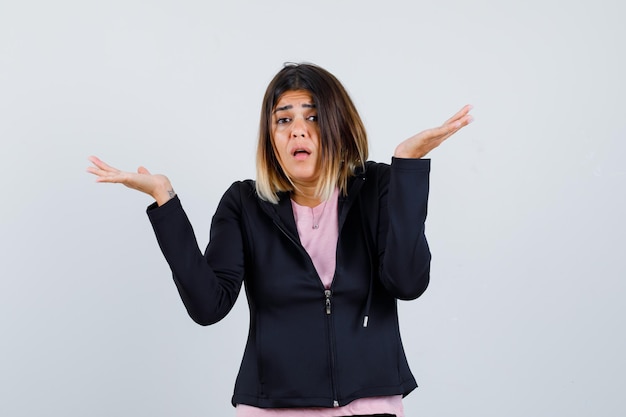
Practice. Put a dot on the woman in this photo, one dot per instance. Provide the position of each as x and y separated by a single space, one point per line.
325 243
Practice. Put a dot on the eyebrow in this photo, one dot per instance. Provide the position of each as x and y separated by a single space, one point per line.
289 107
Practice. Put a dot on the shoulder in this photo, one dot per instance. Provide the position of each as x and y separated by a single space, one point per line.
376 167
379 175
240 193
376 171
246 188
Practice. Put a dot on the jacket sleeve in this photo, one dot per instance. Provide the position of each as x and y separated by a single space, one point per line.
208 284
405 259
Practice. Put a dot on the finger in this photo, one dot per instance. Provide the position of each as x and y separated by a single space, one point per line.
119 177
104 176
93 170
143 170
100 172
459 124
459 115
437 133
443 132
101 164
96 161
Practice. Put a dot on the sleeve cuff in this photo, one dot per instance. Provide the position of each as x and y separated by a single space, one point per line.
156 213
411 164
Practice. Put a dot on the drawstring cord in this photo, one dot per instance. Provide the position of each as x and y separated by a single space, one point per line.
369 245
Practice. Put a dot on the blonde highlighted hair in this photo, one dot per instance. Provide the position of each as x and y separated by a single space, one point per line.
343 140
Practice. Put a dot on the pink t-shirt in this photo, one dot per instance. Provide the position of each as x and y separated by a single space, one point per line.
318 228
362 406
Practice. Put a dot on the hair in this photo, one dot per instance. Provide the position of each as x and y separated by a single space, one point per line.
343 140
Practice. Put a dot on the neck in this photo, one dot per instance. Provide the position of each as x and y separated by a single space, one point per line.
306 196
306 201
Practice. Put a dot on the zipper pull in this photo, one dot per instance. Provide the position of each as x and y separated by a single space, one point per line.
327 293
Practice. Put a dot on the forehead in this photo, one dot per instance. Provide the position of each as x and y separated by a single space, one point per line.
294 98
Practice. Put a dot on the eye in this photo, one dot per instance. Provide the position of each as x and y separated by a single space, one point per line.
312 118
283 120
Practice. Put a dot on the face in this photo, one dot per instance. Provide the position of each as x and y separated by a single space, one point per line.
296 137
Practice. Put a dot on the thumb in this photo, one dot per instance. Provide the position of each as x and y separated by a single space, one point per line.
143 170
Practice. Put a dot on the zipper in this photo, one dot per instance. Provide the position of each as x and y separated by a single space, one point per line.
331 340
327 294
327 308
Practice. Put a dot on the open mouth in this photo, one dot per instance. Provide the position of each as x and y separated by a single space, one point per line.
301 153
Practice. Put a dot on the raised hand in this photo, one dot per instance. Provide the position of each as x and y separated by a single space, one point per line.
156 185
421 144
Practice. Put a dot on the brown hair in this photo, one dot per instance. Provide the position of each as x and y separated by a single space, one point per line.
343 140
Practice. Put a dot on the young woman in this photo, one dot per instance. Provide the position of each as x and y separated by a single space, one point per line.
325 241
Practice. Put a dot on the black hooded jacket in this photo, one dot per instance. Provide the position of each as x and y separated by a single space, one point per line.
307 346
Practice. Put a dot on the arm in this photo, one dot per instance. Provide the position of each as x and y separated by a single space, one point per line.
208 284
405 261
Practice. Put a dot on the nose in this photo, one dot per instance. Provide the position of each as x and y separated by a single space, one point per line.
299 128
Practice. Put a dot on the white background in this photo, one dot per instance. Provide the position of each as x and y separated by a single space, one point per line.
525 313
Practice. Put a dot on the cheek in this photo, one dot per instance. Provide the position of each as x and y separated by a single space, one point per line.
316 135
279 147
277 141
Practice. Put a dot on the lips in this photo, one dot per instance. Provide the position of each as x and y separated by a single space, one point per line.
300 153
